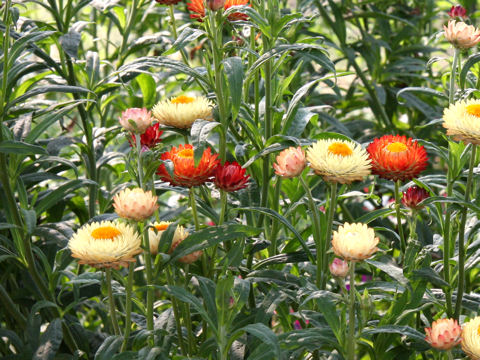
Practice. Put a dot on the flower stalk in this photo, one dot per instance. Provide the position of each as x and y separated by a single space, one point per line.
398 202
128 306
351 315
328 234
111 301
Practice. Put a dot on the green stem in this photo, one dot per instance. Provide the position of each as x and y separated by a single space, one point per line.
275 224
398 199
11 309
461 237
188 324
139 162
111 302
328 235
451 89
193 205
317 237
128 27
449 355
176 314
128 306
351 315
148 270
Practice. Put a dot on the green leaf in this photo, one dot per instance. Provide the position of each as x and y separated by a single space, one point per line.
211 236
234 69
70 43
199 133
207 289
50 341
109 347
397 329
59 193
373 215
186 37
428 274
30 218
274 214
472 60
389 268
148 87
263 333
20 147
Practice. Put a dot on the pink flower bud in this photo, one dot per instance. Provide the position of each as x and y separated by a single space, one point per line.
339 267
290 162
444 334
142 118
413 196
461 35
215 5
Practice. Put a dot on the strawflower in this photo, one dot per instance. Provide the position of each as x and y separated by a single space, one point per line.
290 162
339 268
471 338
149 139
462 121
461 35
457 11
230 177
184 171
180 235
444 334
197 9
135 204
182 111
354 242
155 235
105 244
395 157
338 161
413 196
141 117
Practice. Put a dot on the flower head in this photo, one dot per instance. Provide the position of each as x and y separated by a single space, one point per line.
338 161
462 121
180 235
154 236
471 338
105 244
290 162
184 171
444 334
135 204
461 35
413 196
142 118
230 177
197 9
457 11
395 157
354 242
182 111
150 138
215 5
339 267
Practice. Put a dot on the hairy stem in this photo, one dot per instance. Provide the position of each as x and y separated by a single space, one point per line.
111 301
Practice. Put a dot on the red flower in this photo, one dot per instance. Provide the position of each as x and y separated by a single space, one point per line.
198 10
168 2
413 196
230 177
395 157
457 11
184 171
149 138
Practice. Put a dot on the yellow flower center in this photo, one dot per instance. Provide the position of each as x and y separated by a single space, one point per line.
338 148
185 153
474 110
396 147
105 232
182 99
478 331
161 227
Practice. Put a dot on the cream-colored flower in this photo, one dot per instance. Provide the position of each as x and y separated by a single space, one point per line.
154 236
142 118
471 338
462 121
290 162
339 161
180 235
135 204
354 242
105 244
182 111
461 35
444 334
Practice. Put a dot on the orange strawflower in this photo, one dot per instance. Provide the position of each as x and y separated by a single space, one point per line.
197 9
184 172
395 157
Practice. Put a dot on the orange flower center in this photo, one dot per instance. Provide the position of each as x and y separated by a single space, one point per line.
161 227
185 153
396 147
182 99
338 148
474 110
105 232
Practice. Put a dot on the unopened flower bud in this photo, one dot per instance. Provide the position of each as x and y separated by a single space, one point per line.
413 196
339 267
215 5
457 11
444 334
